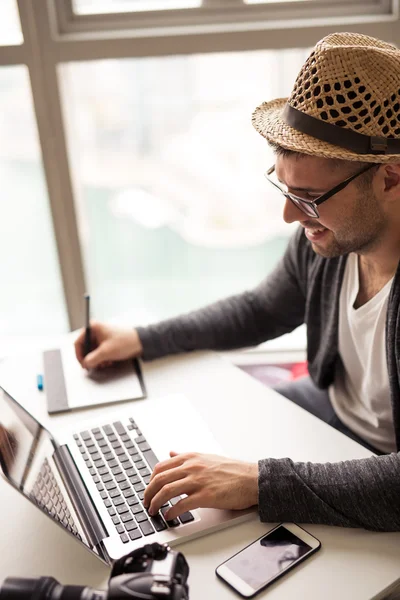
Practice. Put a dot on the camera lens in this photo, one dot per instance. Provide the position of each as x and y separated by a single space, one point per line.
45 588
16 588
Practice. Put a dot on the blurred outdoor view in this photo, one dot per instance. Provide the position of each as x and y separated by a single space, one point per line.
173 208
107 6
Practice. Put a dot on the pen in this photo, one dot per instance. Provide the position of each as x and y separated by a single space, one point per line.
87 344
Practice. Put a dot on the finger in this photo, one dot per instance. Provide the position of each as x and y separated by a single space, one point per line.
177 488
188 503
96 357
78 344
170 463
159 482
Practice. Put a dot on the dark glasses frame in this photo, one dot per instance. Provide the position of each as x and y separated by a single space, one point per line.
309 207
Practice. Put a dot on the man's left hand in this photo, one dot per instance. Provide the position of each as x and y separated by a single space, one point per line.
208 481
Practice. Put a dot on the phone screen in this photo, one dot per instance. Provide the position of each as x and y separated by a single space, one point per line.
267 558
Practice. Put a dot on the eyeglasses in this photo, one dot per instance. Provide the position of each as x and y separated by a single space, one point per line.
309 207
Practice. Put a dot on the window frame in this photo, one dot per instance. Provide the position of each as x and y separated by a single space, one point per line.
223 16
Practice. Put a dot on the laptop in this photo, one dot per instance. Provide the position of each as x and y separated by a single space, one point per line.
92 481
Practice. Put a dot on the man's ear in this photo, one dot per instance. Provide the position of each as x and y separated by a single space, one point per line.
392 177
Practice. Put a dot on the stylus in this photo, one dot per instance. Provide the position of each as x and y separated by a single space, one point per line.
87 344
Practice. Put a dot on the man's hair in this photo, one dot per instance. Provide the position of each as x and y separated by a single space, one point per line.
349 166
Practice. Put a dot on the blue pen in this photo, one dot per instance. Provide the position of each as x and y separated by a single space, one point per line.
39 382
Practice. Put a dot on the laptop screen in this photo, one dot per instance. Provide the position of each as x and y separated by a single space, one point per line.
26 450
24 444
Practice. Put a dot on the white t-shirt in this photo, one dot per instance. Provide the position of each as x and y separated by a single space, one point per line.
360 394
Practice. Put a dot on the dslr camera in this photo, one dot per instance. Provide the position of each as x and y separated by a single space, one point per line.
149 573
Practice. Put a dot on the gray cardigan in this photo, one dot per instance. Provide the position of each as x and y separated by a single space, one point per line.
303 288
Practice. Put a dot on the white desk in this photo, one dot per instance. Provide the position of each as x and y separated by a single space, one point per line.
250 421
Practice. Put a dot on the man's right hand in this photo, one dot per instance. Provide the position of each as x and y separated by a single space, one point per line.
109 344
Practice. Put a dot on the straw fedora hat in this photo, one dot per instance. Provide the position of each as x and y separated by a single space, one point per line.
345 103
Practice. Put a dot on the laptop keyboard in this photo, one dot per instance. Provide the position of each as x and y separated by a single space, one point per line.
120 462
48 496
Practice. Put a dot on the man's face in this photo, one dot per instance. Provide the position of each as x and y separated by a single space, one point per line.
350 221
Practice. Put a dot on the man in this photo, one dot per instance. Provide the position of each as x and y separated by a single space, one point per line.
337 143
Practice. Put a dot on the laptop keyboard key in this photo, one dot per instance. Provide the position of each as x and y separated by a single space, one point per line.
151 458
135 479
146 527
171 522
144 446
186 517
118 501
130 525
136 509
122 509
126 517
119 427
158 523
132 501
175 500
124 538
135 534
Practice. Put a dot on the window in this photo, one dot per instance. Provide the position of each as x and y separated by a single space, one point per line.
10 28
164 171
31 299
174 209
110 6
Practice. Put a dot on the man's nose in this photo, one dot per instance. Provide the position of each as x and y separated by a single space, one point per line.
291 213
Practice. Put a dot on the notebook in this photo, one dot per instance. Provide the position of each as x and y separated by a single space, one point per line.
69 387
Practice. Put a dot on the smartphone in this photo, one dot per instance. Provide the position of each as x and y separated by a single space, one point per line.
262 562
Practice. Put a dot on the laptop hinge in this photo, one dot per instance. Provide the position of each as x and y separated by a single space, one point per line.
89 517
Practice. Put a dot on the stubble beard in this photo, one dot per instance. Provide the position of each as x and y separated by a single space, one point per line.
362 231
